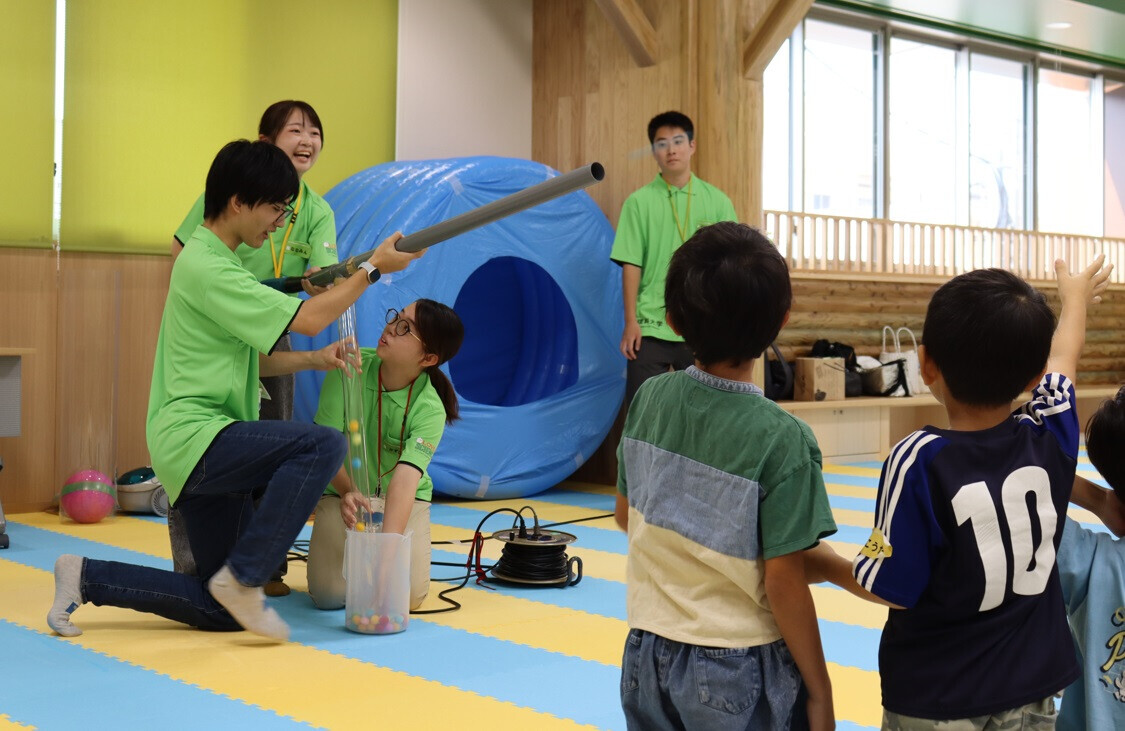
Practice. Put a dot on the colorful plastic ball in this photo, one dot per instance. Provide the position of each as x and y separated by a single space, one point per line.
354 425
357 439
88 496
356 463
371 622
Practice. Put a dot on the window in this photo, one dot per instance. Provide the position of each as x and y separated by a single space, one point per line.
1114 179
776 148
1069 178
996 142
959 134
839 120
923 133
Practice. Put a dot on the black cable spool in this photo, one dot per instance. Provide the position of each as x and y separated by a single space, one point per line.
536 557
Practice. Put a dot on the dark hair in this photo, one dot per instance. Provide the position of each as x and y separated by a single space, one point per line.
670 119
277 114
727 293
989 333
1105 435
254 172
442 333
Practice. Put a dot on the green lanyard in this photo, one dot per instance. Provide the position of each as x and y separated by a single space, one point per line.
681 230
279 260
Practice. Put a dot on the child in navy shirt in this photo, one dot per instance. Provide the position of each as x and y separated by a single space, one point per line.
968 519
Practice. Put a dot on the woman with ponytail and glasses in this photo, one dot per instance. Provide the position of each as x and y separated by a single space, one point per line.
407 402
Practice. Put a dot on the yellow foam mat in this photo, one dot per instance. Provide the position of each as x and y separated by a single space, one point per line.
303 683
284 678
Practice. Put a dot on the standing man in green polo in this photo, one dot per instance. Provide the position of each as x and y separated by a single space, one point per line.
655 221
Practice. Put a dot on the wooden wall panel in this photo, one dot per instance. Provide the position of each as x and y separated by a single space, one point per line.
37 462
729 120
144 288
142 284
86 382
591 102
854 311
28 321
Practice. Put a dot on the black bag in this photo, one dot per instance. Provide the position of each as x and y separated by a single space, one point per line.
825 349
778 376
853 384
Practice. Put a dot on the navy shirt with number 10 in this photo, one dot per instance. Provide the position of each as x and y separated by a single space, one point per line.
966 529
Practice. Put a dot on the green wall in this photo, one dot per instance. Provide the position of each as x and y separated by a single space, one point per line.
27 88
154 89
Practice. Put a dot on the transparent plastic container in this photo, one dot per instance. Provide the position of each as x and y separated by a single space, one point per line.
377 571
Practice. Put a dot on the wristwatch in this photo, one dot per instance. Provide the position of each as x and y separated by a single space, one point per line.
372 272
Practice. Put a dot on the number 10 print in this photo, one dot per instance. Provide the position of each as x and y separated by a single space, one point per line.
974 503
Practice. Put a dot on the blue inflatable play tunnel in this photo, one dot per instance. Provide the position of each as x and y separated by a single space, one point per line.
539 378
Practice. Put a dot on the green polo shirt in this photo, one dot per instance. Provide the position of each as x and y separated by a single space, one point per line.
312 242
424 423
648 235
217 319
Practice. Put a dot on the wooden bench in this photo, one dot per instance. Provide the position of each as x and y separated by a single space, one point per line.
852 309
866 427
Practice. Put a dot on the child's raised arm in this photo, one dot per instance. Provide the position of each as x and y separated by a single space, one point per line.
1075 292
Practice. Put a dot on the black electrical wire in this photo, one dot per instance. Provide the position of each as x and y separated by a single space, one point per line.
547 563
545 525
474 550
533 563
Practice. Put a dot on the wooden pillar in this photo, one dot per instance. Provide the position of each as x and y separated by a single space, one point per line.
736 39
729 123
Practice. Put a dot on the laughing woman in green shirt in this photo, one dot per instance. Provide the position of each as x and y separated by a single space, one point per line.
305 241
407 401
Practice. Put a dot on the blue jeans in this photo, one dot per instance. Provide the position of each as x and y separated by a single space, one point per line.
668 685
285 465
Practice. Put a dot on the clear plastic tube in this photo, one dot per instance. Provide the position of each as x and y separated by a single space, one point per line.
355 427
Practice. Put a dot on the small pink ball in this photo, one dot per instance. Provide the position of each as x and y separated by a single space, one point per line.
88 496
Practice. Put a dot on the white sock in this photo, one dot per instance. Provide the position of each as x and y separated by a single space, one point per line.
247 604
68 594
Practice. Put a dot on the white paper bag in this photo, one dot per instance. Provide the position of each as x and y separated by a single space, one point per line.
899 373
913 368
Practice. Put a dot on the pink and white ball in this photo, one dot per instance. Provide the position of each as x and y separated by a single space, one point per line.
88 496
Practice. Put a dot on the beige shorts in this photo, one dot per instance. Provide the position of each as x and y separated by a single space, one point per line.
1037 716
326 554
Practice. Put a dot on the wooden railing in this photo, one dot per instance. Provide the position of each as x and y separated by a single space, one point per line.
816 243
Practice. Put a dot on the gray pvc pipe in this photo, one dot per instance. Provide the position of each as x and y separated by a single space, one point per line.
489 212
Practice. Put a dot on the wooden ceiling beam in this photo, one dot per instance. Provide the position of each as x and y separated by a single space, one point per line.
769 33
633 26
